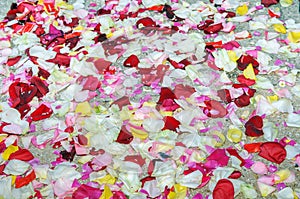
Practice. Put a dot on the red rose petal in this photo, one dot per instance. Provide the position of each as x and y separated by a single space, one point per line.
23 109
253 147
124 137
242 101
214 109
268 3
21 154
42 112
146 22
21 93
224 189
13 61
131 61
82 140
166 93
61 60
254 127
243 80
213 28
245 60
90 83
272 151
205 24
22 181
42 88
43 73
256 120
171 123
100 64
235 175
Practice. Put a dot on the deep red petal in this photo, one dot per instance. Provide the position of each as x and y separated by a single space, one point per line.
20 182
268 3
243 80
124 137
146 22
224 189
166 93
256 120
13 61
171 123
42 112
21 154
131 61
245 60
242 101
273 151
213 28
41 86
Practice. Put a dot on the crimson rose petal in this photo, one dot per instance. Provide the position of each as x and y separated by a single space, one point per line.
254 127
213 28
245 60
224 189
268 3
146 22
42 112
166 93
131 61
242 101
125 137
171 123
22 154
272 151
20 182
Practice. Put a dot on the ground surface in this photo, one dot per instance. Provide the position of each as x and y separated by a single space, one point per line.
278 118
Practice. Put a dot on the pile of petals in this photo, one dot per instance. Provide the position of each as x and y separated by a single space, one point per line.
148 99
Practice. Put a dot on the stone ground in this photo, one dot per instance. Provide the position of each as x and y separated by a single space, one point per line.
287 13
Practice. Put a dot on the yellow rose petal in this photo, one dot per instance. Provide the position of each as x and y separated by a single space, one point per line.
108 179
286 3
279 28
107 194
220 138
283 175
84 108
249 72
272 98
232 55
242 10
294 37
137 133
9 150
179 193
13 179
234 135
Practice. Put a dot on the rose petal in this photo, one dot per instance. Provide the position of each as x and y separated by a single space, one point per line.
223 189
273 152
